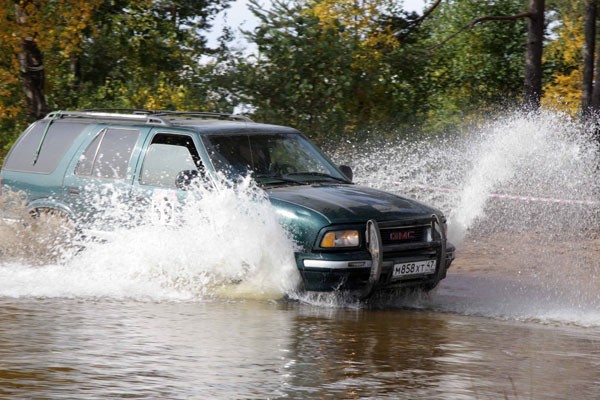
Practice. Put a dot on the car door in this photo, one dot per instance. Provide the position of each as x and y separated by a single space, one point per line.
98 181
168 161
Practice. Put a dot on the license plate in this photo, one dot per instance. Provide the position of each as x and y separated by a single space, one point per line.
414 268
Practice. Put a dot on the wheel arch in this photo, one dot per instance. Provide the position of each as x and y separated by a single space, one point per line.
49 204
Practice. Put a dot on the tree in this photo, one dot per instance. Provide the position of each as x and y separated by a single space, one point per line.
534 47
563 60
533 53
588 56
331 68
145 54
57 54
29 30
321 66
471 75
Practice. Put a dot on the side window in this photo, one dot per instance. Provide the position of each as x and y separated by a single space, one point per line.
86 161
167 156
108 155
42 147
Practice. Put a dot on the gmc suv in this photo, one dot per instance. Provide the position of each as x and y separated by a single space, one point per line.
349 237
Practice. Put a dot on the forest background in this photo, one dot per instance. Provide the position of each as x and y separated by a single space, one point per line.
345 69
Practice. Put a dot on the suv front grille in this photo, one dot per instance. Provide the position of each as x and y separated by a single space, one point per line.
404 234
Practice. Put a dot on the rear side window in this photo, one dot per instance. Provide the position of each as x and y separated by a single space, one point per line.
40 151
108 155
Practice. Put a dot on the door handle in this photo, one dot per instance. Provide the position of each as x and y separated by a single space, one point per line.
73 191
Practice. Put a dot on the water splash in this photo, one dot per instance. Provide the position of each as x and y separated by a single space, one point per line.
523 199
539 155
213 247
529 155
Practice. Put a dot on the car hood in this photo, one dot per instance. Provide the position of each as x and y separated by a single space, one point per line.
349 203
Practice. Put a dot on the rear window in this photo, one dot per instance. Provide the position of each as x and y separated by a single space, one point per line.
52 147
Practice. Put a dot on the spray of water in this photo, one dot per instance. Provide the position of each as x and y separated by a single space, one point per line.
213 246
471 175
523 200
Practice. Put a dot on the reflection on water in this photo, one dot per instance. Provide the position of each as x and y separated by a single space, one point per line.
109 349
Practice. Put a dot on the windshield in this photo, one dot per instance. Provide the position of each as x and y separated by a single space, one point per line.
270 158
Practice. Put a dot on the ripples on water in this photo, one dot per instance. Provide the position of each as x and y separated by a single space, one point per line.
246 349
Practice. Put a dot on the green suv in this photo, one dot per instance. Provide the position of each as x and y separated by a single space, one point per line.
348 237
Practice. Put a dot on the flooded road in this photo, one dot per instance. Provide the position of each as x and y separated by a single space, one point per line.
68 348
490 330
193 311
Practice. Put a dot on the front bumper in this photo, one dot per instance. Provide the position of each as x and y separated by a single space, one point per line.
328 275
373 269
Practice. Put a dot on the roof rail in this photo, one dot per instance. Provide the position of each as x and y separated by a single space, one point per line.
202 114
118 110
159 117
137 115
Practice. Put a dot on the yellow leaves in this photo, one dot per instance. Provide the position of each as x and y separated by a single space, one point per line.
56 26
66 28
52 24
569 42
359 21
564 93
164 96
9 82
564 90
353 14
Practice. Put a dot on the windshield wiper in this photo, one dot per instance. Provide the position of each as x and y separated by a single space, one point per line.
279 178
319 174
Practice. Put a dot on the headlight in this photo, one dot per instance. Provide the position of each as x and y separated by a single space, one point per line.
349 238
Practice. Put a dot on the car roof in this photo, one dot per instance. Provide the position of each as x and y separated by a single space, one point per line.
200 122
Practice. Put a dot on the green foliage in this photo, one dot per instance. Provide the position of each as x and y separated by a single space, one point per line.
477 70
300 75
144 54
317 77
109 53
330 68
338 74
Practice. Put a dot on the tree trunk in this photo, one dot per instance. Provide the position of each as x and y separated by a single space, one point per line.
588 57
595 103
31 64
533 54
32 72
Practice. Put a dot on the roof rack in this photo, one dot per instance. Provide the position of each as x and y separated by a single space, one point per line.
202 114
138 115
155 117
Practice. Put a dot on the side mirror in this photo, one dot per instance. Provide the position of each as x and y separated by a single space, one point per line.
184 179
346 170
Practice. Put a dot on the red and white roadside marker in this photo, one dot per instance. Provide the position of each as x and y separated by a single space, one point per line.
515 197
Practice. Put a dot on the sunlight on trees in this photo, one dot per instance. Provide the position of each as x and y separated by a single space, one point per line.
563 91
368 22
